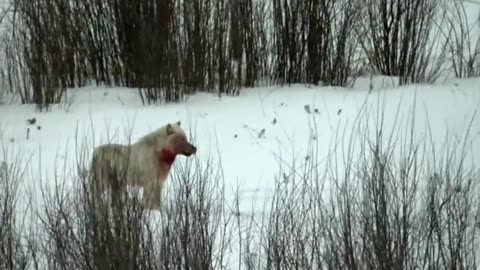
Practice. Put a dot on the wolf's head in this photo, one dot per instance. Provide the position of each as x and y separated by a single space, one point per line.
168 142
177 141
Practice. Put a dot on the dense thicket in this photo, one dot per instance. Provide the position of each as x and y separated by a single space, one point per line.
169 48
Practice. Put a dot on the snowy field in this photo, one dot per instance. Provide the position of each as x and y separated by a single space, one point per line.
252 134
249 132
271 137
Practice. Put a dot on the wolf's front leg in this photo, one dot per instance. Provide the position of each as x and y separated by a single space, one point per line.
152 197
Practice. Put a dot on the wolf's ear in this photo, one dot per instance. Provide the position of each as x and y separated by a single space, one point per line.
178 123
169 129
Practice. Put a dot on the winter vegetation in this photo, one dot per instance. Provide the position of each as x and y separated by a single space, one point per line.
331 134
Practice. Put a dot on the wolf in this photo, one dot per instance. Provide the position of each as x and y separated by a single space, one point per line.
145 163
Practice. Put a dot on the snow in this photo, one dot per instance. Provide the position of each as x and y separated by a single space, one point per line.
228 128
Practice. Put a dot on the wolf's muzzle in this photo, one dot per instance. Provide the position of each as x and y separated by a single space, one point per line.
194 149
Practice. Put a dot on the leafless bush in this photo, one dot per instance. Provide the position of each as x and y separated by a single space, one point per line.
384 197
387 201
79 230
222 49
314 41
76 229
15 65
248 38
163 48
397 38
43 50
166 49
196 231
463 48
14 254
149 48
197 42
221 41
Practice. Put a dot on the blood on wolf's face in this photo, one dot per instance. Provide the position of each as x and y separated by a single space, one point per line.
181 146
177 145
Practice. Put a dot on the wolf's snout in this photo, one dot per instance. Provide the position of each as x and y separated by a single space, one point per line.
194 149
189 149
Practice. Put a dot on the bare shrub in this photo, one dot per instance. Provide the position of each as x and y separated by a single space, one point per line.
15 65
196 17
248 39
195 232
385 199
14 254
396 36
102 44
463 48
43 50
169 48
385 196
79 232
76 229
222 48
149 48
314 41
165 49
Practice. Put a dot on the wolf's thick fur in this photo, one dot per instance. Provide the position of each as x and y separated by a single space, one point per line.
145 163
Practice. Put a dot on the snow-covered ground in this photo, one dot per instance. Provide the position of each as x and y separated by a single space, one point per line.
251 134
232 126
